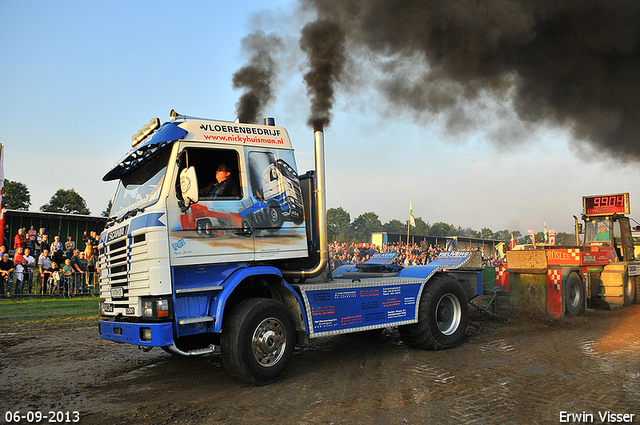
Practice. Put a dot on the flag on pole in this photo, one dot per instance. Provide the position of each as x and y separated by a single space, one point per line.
1 188
512 242
546 233
412 221
552 237
532 235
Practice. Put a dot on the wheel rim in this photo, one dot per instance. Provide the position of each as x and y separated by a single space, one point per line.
448 314
269 342
273 215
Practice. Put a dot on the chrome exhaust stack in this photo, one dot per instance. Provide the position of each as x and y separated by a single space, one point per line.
321 215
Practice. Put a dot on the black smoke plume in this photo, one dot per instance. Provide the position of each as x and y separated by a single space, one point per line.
575 63
256 78
323 42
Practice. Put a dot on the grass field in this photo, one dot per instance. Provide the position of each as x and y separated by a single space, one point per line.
27 313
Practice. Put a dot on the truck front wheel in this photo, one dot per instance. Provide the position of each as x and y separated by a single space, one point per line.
443 315
257 341
275 217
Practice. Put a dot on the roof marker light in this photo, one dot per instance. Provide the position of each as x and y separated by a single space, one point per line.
149 128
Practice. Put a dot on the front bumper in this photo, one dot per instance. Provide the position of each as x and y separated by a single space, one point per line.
132 333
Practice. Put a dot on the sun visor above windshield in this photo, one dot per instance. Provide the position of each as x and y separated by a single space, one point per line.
168 133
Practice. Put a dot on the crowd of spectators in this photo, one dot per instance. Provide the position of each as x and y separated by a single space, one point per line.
38 265
341 254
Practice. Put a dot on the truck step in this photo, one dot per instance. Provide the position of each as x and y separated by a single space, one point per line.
196 320
198 289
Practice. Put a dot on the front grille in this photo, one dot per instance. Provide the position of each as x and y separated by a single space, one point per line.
123 264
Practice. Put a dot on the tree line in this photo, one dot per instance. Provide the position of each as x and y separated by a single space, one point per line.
340 228
16 196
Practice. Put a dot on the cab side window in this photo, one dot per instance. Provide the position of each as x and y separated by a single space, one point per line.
218 172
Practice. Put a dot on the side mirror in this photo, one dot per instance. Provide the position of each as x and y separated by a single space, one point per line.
189 185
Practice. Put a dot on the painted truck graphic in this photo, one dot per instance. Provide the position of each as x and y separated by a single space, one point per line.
277 198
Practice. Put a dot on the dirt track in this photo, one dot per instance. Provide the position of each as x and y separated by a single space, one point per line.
521 372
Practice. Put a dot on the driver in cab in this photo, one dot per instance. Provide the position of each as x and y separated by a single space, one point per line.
223 186
603 234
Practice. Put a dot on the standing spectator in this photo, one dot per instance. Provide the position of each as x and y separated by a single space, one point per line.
39 238
6 268
44 264
19 263
18 240
31 239
28 270
94 240
82 262
44 243
69 246
56 250
55 279
91 264
78 274
67 275
85 238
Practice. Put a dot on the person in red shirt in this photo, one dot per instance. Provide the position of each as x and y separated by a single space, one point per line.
19 240
20 263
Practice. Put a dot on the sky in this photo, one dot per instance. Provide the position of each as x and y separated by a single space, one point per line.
80 78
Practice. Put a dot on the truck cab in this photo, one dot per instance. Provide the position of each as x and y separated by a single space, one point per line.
164 256
614 232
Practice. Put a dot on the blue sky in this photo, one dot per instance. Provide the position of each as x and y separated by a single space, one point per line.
79 78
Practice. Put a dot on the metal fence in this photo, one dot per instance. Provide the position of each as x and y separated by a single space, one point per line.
60 285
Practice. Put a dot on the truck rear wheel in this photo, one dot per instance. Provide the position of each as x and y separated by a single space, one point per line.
574 295
630 290
257 341
443 315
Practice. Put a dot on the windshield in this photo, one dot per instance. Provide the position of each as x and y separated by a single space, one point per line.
598 232
141 187
286 170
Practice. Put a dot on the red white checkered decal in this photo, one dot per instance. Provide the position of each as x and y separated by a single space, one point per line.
555 277
574 253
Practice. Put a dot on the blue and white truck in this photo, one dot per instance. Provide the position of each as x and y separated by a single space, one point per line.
259 286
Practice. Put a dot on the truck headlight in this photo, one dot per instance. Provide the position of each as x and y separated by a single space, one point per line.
156 308
147 310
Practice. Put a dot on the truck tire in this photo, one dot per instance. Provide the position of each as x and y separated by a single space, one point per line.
443 315
200 228
574 295
257 342
630 290
275 217
247 227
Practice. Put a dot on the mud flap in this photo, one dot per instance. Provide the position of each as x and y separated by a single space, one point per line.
555 301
